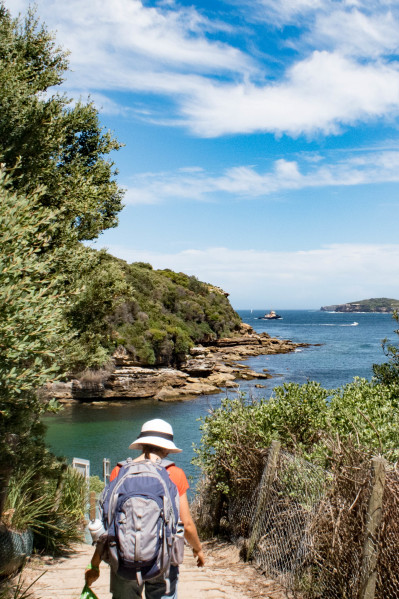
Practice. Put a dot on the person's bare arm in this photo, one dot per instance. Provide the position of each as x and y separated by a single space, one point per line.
190 530
93 569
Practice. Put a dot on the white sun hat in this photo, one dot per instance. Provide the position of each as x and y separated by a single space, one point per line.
158 433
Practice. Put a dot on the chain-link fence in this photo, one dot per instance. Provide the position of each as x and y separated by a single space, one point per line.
320 534
14 548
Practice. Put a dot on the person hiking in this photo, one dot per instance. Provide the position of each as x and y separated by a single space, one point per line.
156 443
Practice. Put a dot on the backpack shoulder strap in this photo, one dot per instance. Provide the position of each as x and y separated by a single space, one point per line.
125 462
125 467
173 494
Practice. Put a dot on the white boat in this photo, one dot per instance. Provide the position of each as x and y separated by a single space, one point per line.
271 316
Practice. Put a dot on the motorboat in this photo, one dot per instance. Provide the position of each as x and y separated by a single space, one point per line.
271 316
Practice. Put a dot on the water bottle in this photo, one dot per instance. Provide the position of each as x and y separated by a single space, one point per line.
96 529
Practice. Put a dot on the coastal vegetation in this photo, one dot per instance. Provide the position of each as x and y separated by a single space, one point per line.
387 373
306 419
156 315
166 313
296 481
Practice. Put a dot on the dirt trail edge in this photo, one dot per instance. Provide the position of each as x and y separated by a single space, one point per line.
224 576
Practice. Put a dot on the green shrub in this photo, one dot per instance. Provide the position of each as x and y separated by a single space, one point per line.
388 372
96 484
304 418
145 265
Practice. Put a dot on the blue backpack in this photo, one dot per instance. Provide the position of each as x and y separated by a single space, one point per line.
140 512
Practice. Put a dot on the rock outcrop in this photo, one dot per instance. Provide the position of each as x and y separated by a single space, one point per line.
208 369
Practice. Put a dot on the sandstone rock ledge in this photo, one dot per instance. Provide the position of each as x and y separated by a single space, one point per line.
209 369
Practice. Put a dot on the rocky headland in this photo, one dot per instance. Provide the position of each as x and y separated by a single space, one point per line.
208 369
382 305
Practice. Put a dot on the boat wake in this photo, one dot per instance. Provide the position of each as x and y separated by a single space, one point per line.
353 324
319 324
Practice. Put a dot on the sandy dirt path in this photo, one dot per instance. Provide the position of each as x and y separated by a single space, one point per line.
223 577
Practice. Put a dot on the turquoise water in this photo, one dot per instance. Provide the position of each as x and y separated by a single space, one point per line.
348 349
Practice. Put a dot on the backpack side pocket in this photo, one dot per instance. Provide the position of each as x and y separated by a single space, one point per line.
177 552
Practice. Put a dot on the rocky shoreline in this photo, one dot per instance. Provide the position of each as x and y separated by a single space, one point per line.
209 369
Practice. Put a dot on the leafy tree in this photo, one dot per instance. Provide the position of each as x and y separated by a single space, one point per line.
103 288
48 142
45 140
57 188
31 321
388 372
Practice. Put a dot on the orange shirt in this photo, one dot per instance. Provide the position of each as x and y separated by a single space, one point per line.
176 475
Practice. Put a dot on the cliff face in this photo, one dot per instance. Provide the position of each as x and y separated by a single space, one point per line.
207 369
383 305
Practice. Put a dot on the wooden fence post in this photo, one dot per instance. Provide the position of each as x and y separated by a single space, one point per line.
92 501
373 523
264 496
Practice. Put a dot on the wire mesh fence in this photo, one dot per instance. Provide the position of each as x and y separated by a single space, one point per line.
320 534
388 549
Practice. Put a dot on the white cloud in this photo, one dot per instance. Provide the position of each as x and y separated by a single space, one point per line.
309 279
318 94
125 35
345 70
364 28
246 182
282 12
356 33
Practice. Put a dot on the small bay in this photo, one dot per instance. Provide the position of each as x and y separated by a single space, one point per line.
349 344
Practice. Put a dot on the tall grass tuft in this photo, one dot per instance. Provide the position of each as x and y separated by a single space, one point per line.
53 509
16 589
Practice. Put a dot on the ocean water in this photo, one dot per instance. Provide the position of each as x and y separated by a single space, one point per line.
350 344
342 346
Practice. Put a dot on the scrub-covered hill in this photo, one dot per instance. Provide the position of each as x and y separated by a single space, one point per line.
156 315
169 312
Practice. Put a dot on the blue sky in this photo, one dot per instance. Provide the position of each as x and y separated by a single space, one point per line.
261 139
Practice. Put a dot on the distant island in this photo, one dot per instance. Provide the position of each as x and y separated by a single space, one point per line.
380 304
